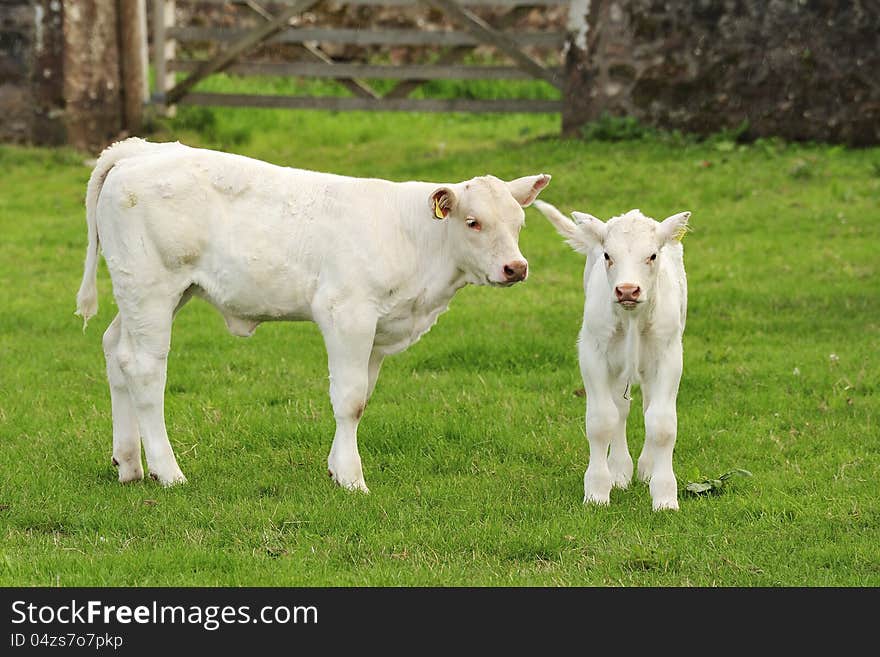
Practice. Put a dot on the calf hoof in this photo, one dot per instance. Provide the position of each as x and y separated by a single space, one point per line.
621 477
597 487
129 470
347 472
349 484
169 477
621 469
665 505
599 500
664 493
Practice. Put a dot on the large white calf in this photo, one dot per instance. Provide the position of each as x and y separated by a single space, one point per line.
372 262
634 317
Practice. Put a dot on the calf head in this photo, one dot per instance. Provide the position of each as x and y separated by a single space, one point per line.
485 216
629 245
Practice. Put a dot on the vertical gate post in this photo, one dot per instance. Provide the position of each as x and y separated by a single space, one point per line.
132 51
587 19
163 52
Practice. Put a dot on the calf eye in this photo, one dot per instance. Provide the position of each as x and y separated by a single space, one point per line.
607 257
653 257
473 223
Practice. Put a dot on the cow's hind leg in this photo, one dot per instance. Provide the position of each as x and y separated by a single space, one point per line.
620 462
375 365
646 458
143 358
126 436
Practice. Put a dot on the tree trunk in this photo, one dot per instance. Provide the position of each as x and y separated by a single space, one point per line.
92 87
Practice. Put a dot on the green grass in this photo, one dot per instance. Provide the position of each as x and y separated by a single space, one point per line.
292 86
473 444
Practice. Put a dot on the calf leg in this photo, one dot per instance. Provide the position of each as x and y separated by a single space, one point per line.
660 435
620 463
126 437
349 347
603 424
143 359
375 365
661 429
646 457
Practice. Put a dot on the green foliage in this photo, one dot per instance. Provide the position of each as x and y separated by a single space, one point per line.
628 128
203 120
473 444
725 139
616 128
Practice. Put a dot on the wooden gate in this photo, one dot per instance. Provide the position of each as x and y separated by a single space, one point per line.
275 27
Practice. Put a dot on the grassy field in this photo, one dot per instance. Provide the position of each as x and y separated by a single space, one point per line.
473 444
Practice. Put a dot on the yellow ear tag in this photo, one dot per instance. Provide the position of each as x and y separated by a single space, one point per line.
438 211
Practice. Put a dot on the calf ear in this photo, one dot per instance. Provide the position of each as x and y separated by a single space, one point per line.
443 201
525 190
582 235
674 227
590 231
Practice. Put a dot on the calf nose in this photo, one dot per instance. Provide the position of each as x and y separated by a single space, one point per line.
516 271
627 292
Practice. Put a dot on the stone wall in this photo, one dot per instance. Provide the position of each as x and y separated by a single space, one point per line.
59 72
31 80
798 69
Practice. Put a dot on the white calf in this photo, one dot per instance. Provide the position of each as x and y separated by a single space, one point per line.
634 317
372 262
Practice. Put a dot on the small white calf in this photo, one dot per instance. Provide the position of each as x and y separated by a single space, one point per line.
372 262
634 317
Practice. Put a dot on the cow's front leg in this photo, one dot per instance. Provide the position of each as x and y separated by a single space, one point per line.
602 425
349 342
661 429
660 434
603 422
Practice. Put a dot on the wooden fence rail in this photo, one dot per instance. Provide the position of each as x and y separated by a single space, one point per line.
365 37
470 31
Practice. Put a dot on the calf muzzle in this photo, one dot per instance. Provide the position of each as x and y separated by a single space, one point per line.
516 271
628 295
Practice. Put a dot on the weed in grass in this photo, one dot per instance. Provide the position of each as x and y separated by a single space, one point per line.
801 169
702 485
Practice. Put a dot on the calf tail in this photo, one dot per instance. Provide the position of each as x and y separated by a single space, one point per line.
87 297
